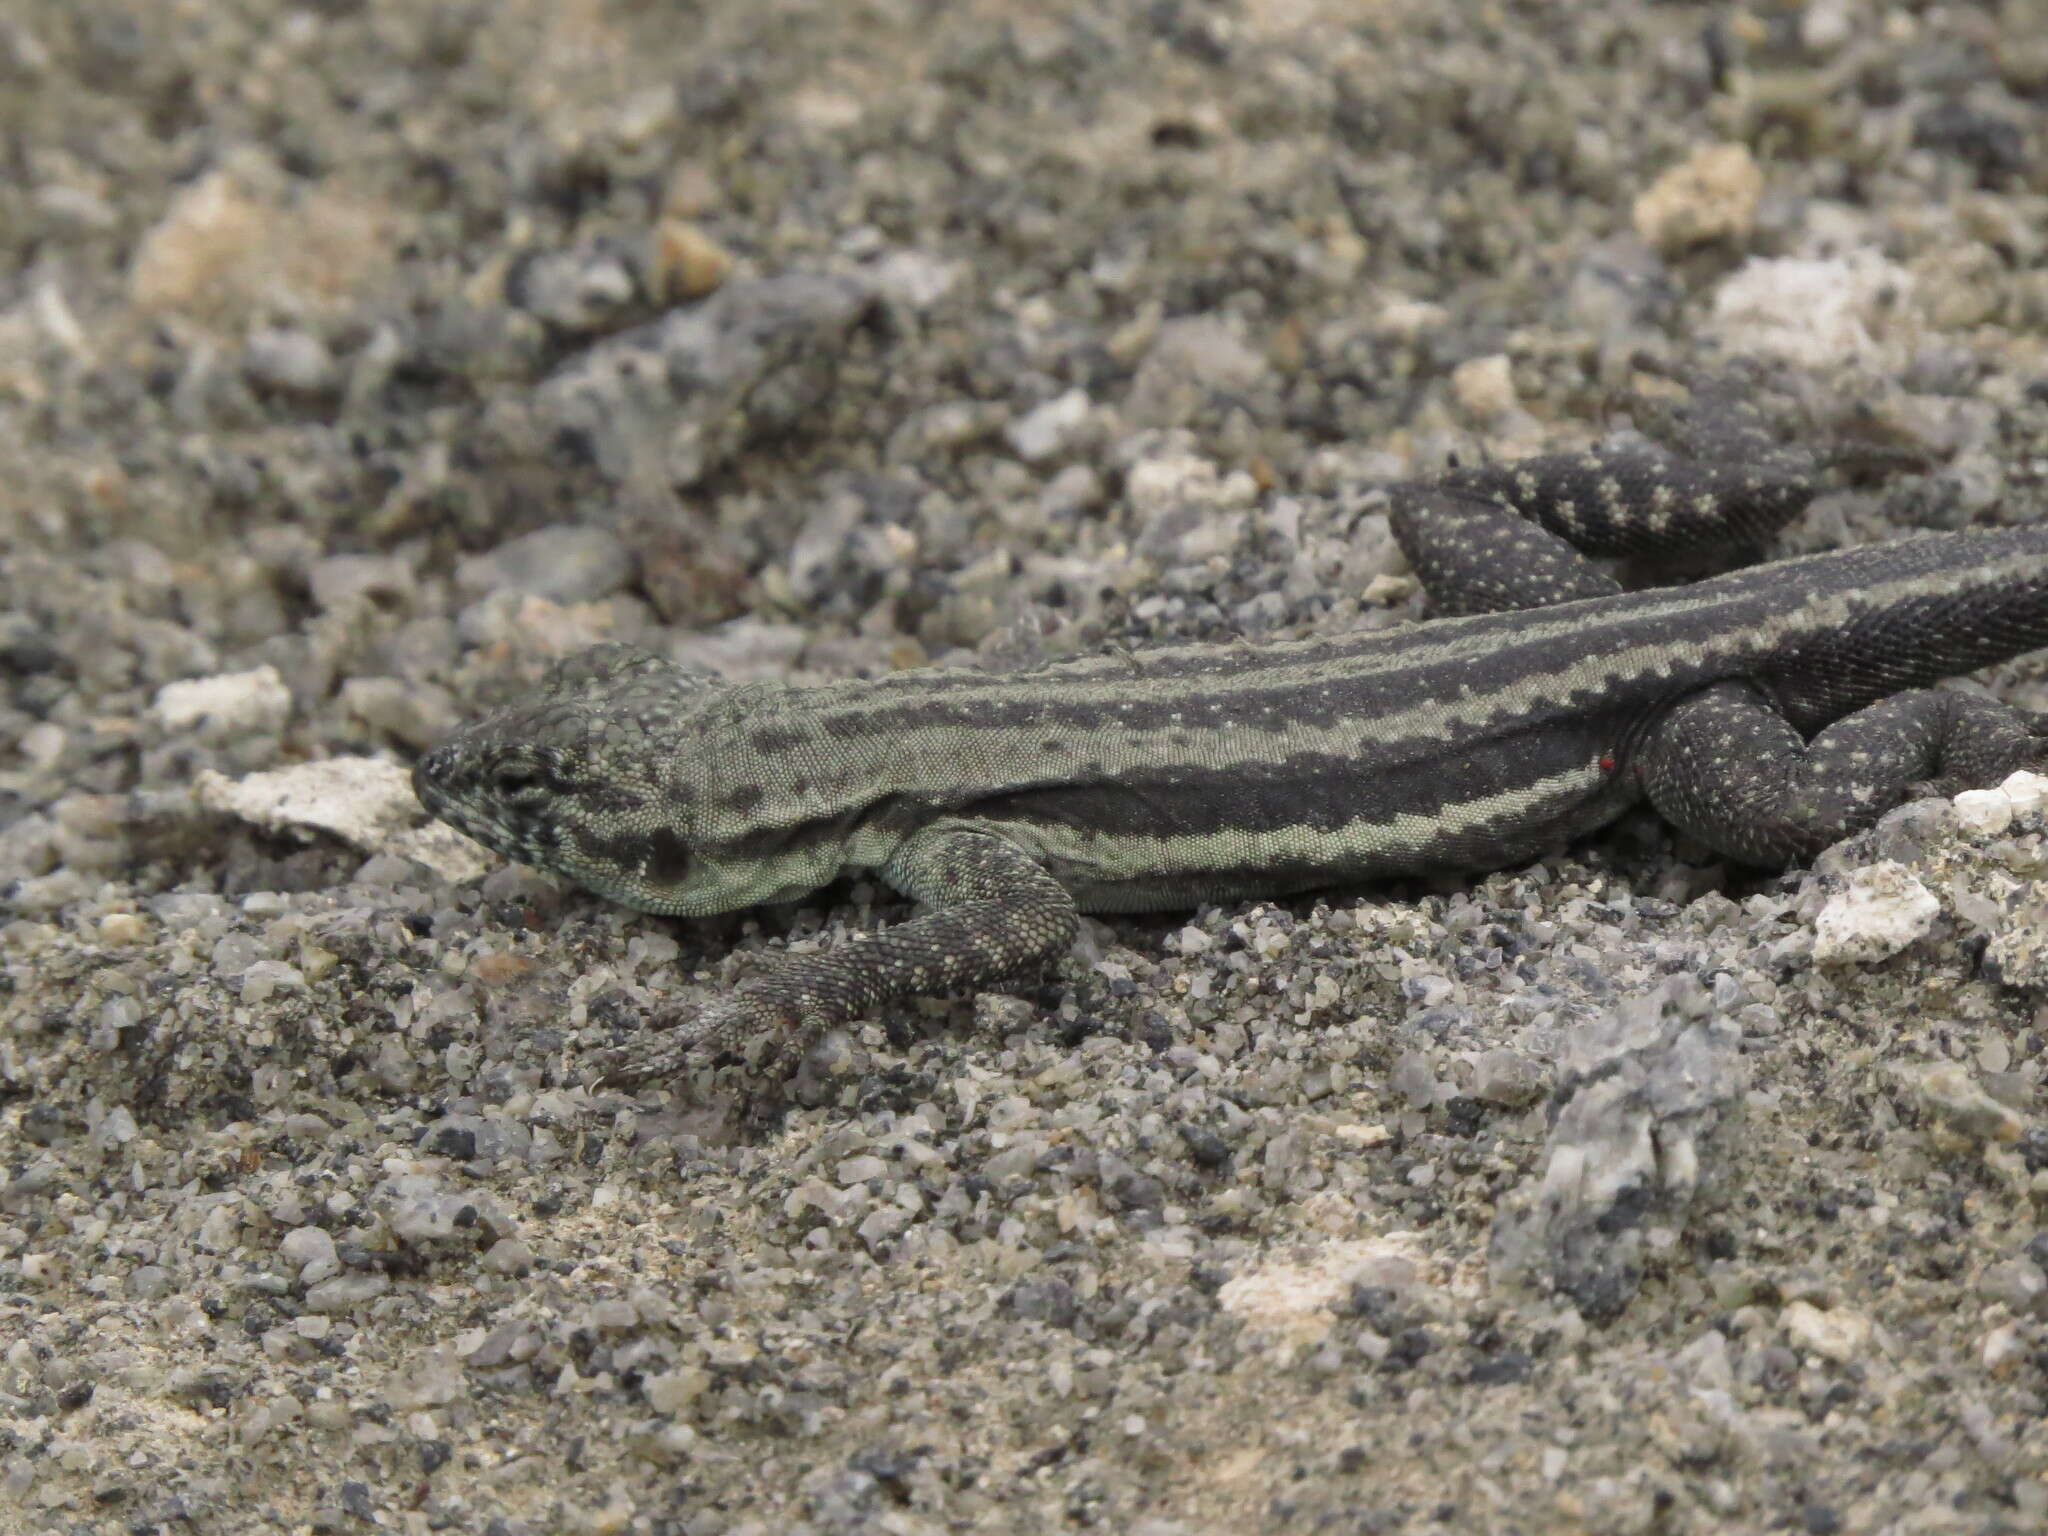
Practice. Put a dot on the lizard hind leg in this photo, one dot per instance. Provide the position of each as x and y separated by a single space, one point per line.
1474 556
1726 767
1489 538
1715 479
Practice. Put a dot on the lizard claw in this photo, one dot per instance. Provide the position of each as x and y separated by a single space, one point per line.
681 1038
656 1055
663 1050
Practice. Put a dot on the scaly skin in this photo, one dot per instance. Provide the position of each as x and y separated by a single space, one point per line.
1768 713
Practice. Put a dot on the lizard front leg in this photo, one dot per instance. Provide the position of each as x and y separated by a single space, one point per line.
1725 766
993 914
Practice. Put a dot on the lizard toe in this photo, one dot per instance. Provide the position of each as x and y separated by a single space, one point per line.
665 1050
749 1025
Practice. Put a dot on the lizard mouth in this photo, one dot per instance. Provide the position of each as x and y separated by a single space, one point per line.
436 781
426 785
474 803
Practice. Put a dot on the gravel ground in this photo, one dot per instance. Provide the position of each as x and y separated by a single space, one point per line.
359 357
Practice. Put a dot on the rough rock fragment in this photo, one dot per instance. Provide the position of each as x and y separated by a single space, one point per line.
1882 910
1644 1092
366 801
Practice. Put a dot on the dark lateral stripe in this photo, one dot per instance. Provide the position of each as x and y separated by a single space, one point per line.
1310 791
1721 604
1721 629
878 813
1386 671
1316 792
1258 703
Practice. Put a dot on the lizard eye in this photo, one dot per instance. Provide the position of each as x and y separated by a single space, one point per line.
515 779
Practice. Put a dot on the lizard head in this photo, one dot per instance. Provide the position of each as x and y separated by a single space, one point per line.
588 778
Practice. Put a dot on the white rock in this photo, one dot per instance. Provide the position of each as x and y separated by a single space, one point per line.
1406 319
2002 1345
428 1383
289 361
1074 490
1159 483
1815 312
220 1229
1883 910
266 978
1984 811
917 279
2025 790
1484 388
858 1170
1190 361
1959 1101
366 801
1705 1362
1834 1334
1711 195
42 744
116 1129
1047 430
306 1245
882 1225
360 799
230 704
1827 25
674 1391
346 1292
313 1251
1294 1301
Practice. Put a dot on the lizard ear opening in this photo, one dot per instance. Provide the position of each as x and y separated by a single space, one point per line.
668 857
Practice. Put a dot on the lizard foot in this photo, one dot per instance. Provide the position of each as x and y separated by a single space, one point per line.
2029 751
655 1054
681 1038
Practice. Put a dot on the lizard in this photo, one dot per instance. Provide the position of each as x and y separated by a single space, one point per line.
1768 712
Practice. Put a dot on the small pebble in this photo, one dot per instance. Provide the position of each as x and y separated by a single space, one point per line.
1835 1334
1711 195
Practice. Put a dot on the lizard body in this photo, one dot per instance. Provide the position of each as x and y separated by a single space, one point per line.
1768 712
